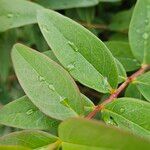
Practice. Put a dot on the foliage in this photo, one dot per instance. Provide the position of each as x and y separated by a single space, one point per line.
67 75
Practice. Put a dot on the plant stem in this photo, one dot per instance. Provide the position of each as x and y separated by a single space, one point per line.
116 93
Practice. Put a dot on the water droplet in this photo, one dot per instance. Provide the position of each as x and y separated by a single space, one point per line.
45 28
70 67
122 110
51 87
146 21
41 78
10 15
73 46
29 112
64 101
134 60
145 36
138 31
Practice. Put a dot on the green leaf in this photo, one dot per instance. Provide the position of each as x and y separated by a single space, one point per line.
16 13
28 138
143 85
65 4
139 31
122 51
46 83
132 91
85 57
7 147
91 135
121 72
128 113
120 21
23 114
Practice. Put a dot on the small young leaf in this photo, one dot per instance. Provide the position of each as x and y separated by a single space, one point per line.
122 51
130 114
23 114
28 138
121 72
65 4
121 21
143 85
86 58
132 91
16 13
46 83
91 135
139 31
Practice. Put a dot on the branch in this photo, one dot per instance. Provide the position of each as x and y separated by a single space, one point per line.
116 93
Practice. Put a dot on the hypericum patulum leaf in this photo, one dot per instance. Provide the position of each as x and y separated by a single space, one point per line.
132 91
143 85
92 135
129 113
85 57
139 31
122 51
21 113
16 13
46 83
65 4
28 138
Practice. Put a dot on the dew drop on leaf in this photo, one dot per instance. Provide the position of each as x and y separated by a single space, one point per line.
51 87
138 31
41 78
146 21
70 67
122 110
45 28
110 120
145 36
63 101
10 15
73 46
29 112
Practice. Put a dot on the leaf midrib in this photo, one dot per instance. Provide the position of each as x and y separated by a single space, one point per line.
107 110
45 79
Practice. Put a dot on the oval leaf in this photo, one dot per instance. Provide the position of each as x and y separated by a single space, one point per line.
86 58
23 114
16 13
28 138
91 135
122 51
132 91
128 113
139 31
65 4
46 83
143 85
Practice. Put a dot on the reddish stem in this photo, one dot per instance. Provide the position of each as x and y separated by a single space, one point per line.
118 91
